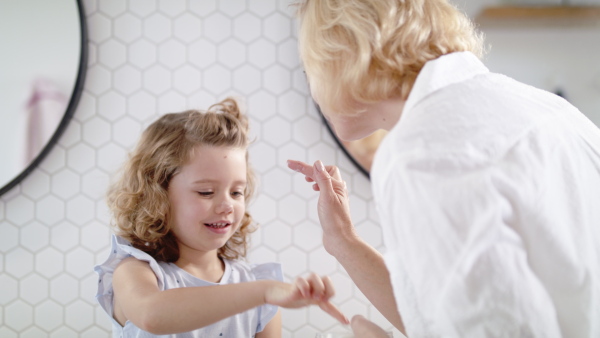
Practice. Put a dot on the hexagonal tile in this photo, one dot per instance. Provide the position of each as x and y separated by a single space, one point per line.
95 236
141 106
290 151
18 315
246 79
288 55
5 332
322 263
187 27
100 27
157 79
142 7
92 53
172 7
172 53
110 157
127 79
36 185
32 332
95 183
54 161
231 53
294 318
78 262
157 27
126 132
64 236
299 82
262 156
203 7
292 105
246 27
261 53
64 289
96 131
323 152
72 134
112 54
187 79
33 289
49 262
307 235
65 332
278 183
232 8
262 105
86 108
263 209
65 184
88 286
202 53
344 287
277 131
34 236
217 79
277 79
263 7
94 332
48 315
322 322
370 232
294 262
142 53
19 262
80 210
277 27
277 236
128 27
9 237
111 8
81 158
19 210
172 102
261 255
217 27
112 106
358 208
97 79
292 209
49 210
10 289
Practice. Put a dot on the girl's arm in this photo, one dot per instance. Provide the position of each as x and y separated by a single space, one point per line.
272 329
138 299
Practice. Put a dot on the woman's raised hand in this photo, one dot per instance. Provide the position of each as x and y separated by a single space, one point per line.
333 206
306 291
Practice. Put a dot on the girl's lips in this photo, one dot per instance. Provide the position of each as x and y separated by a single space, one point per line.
218 229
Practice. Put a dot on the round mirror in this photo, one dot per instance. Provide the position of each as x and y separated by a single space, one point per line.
42 67
359 152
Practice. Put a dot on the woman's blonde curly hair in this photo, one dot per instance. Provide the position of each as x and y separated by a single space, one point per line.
365 51
139 200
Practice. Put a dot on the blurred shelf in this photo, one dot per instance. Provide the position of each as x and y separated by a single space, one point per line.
545 16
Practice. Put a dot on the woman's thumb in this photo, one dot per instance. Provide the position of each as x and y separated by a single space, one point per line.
322 177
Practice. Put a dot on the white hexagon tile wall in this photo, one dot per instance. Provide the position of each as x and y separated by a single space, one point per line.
148 58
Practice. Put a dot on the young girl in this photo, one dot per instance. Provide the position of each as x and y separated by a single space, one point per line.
180 217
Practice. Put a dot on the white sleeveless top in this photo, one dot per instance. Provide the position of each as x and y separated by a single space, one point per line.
170 276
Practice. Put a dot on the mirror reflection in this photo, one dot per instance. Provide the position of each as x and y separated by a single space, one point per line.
39 66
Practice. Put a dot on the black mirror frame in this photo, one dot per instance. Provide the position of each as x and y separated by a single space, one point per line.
73 101
339 143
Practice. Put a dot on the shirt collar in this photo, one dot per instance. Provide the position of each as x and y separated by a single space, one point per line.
444 71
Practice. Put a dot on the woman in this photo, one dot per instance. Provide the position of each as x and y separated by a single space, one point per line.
487 189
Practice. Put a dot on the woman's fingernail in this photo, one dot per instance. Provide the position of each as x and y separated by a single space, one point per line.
319 166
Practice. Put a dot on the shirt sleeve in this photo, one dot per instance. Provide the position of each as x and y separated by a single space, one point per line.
120 249
266 271
457 266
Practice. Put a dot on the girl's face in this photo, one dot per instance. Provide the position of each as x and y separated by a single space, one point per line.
207 198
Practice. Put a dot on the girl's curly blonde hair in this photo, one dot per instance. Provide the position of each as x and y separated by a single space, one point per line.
138 199
365 51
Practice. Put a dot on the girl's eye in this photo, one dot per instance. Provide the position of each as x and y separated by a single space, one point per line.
237 193
205 193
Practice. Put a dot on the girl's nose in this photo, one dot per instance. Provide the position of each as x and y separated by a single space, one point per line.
224 207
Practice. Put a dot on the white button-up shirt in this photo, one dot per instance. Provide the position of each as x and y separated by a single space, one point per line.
488 193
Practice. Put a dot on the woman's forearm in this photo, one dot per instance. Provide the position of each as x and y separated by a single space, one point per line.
366 267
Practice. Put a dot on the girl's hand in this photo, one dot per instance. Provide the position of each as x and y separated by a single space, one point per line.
333 206
304 292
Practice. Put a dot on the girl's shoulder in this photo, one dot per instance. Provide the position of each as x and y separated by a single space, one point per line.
242 271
